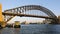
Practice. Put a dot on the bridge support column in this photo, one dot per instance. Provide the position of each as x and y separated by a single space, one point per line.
1 16
2 23
59 19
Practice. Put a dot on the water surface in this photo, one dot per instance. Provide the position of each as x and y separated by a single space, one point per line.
33 29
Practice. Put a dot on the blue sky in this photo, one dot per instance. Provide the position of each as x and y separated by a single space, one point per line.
53 5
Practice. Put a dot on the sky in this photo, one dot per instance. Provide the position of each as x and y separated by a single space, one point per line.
53 5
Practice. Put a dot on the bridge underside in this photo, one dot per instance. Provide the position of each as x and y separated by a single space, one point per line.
25 15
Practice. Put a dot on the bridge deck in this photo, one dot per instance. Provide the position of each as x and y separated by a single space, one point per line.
26 15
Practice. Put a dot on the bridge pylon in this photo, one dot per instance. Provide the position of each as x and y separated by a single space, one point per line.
2 23
1 16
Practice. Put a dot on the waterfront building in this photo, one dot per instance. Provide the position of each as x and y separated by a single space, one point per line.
47 21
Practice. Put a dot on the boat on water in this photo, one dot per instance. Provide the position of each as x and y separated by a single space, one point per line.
17 24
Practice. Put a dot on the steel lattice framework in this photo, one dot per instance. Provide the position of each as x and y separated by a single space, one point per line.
19 10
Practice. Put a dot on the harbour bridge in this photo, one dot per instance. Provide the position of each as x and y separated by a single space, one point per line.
20 11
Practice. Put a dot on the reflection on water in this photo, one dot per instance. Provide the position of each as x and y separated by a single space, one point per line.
16 30
33 29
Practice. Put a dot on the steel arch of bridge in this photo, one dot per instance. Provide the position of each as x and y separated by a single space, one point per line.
19 10
31 7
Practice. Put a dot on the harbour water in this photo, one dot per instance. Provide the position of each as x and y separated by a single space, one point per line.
33 29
